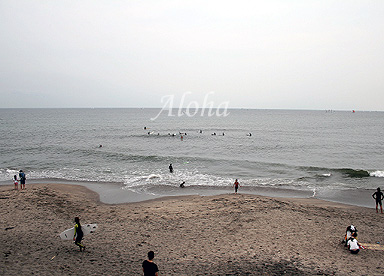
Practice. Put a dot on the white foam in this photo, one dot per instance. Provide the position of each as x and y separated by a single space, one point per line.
377 174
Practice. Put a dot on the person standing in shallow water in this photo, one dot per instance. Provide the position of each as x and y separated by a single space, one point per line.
236 185
378 196
149 267
170 168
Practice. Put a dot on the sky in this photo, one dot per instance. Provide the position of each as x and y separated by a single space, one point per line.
244 54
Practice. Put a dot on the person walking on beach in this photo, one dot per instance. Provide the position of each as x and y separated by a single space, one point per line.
170 168
149 267
16 182
236 185
378 196
78 235
22 179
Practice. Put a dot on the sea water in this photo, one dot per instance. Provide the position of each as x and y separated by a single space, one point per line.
334 155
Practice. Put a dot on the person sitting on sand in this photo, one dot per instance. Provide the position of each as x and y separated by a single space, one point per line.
353 245
378 196
78 235
149 267
349 232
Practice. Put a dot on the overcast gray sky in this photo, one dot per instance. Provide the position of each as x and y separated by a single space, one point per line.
253 54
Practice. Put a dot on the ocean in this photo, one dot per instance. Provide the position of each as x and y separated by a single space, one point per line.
331 155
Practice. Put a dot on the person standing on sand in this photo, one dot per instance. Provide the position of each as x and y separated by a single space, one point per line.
236 185
78 235
378 196
170 168
22 179
16 182
149 267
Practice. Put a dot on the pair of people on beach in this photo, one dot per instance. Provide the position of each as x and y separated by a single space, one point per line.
22 180
350 240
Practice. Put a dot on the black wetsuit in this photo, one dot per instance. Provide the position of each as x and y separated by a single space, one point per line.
378 196
79 235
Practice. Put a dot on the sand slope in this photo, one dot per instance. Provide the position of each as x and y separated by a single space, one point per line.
217 235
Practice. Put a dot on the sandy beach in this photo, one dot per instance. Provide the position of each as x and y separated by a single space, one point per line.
191 235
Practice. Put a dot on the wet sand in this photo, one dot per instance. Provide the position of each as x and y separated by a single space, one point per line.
191 235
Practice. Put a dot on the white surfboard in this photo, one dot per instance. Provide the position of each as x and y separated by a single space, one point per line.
87 229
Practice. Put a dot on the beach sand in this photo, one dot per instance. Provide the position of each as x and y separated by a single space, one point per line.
192 235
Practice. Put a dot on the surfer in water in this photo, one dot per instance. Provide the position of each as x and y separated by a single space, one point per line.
182 184
378 196
170 168
78 236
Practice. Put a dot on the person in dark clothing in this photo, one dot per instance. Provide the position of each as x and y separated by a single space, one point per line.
22 179
170 168
236 185
78 235
149 267
378 196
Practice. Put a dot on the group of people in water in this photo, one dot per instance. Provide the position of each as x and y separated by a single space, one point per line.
236 185
182 134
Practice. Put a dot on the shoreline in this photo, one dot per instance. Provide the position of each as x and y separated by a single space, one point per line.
117 193
93 195
230 234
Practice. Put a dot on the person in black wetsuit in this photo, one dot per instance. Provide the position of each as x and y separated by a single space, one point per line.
378 196
78 236
149 267
170 168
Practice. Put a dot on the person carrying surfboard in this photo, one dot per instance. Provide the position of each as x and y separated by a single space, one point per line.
78 235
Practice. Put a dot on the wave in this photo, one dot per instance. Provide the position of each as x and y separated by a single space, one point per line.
354 173
377 174
349 172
